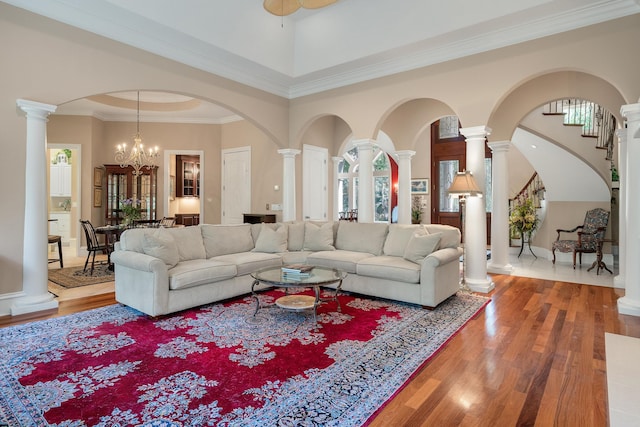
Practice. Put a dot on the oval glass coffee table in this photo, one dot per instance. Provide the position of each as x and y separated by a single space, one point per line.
317 277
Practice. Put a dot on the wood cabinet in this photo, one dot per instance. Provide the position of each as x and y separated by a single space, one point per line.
60 180
187 219
188 176
122 185
258 218
60 225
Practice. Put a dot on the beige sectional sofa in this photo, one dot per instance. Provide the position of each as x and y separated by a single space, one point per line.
160 271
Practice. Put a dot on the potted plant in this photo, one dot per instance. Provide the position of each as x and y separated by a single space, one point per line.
131 211
523 219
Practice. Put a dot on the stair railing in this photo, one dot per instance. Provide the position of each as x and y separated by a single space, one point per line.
595 120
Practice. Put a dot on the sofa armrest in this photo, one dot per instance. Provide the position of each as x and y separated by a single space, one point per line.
137 261
442 256
142 282
440 276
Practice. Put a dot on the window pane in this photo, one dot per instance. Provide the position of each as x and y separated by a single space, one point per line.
447 169
343 195
381 198
381 162
488 196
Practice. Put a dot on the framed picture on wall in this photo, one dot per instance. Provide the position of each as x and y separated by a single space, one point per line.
97 197
98 174
420 186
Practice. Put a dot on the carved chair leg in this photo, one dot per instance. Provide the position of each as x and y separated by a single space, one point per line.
574 260
553 251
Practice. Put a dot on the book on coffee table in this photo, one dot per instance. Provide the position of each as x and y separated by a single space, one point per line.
297 269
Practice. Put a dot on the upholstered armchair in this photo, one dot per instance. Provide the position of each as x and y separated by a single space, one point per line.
588 235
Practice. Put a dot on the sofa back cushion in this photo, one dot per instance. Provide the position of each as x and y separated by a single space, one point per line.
295 231
361 237
450 235
399 236
226 239
188 241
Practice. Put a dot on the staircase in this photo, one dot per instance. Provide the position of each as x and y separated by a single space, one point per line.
596 122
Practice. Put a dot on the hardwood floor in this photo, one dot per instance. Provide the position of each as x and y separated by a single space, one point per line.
534 357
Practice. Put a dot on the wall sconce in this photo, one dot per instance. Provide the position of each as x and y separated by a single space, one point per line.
395 187
276 187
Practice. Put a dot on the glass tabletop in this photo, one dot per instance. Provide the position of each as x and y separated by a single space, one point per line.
317 276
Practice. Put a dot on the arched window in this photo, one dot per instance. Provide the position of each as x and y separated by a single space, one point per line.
348 183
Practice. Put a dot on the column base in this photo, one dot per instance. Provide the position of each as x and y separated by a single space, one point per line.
482 286
618 281
629 306
31 304
500 268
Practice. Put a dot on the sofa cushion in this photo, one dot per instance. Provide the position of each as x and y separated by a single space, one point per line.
391 268
340 259
361 237
272 241
248 262
189 242
318 237
295 230
187 274
450 235
398 237
226 239
161 245
420 246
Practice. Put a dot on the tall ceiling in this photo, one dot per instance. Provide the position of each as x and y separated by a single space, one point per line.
314 50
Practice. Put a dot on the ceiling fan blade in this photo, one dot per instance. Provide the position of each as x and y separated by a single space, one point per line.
281 7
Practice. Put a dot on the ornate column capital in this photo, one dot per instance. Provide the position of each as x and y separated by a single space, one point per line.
476 132
405 154
36 110
289 152
499 146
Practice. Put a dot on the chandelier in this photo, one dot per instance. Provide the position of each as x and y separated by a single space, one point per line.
137 158
287 7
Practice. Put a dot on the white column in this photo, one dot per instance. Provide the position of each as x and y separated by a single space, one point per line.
476 217
619 280
289 183
34 259
630 302
500 214
404 186
336 187
365 180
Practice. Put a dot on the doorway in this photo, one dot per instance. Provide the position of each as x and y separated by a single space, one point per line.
64 199
448 156
183 184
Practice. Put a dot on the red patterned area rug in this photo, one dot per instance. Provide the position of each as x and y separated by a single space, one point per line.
218 365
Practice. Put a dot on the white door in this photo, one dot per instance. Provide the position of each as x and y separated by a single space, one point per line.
314 183
236 184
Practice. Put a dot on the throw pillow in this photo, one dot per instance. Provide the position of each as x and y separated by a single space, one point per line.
399 236
162 247
271 241
420 246
318 238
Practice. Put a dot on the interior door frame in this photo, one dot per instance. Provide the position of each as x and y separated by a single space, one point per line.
308 182
78 187
223 201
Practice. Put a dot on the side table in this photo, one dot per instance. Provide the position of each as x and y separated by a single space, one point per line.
598 262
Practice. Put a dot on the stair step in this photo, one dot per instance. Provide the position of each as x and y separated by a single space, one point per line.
600 148
588 135
573 124
553 114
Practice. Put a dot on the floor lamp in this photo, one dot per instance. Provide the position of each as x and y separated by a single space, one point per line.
463 186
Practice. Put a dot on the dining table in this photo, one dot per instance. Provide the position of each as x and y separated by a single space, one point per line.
111 235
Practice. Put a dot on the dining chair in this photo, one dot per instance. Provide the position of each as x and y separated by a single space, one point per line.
55 239
168 222
93 245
